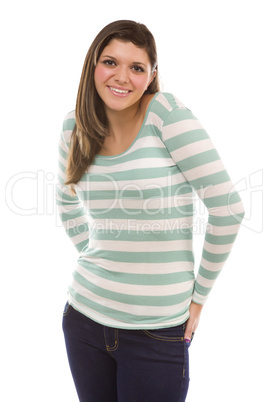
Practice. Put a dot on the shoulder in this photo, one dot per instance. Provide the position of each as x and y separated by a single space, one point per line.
165 103
69 121
167 109
170 101
68 126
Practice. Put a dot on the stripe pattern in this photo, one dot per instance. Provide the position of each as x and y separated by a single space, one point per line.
132 221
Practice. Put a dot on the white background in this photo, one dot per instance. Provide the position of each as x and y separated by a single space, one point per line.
213 57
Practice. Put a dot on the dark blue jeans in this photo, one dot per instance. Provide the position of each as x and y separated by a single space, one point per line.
118 365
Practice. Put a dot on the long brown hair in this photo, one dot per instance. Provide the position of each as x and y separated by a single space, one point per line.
91 121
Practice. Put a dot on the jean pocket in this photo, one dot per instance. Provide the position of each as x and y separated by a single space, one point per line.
172 334
67 309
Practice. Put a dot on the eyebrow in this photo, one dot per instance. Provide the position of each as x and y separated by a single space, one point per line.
134 62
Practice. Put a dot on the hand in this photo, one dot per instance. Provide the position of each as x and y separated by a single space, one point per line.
193 320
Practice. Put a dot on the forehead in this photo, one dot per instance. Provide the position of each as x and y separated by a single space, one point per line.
125 50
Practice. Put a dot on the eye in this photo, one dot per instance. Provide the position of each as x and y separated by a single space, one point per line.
108 62
138 68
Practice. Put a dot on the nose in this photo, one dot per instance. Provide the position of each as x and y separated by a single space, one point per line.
121 75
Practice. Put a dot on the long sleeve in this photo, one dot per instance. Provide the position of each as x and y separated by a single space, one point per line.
193 152
72 213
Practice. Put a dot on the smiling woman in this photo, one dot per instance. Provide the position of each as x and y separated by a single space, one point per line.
134 156
92 125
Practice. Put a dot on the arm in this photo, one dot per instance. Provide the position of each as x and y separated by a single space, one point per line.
192 150
71 211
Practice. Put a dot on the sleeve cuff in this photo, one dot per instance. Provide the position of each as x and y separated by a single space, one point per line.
199 299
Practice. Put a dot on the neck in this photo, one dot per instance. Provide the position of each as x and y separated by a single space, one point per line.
121 122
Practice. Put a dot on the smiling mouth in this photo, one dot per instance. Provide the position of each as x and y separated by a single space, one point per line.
119 91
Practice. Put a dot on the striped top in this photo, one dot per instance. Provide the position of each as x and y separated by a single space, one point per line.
132 219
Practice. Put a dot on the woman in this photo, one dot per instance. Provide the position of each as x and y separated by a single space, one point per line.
130 158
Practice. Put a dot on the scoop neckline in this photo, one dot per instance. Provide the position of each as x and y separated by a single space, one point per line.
137 136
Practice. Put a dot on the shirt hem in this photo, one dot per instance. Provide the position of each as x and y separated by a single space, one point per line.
130 326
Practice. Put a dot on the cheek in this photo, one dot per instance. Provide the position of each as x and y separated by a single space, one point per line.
101 75
141 82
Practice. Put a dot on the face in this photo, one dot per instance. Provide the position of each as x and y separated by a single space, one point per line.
122 74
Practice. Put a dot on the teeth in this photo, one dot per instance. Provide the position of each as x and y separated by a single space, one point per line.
120 91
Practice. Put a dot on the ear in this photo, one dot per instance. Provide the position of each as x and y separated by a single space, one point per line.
152 78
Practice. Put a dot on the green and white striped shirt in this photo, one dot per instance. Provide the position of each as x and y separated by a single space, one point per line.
132 220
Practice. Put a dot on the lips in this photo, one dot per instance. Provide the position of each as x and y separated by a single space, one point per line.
119 91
